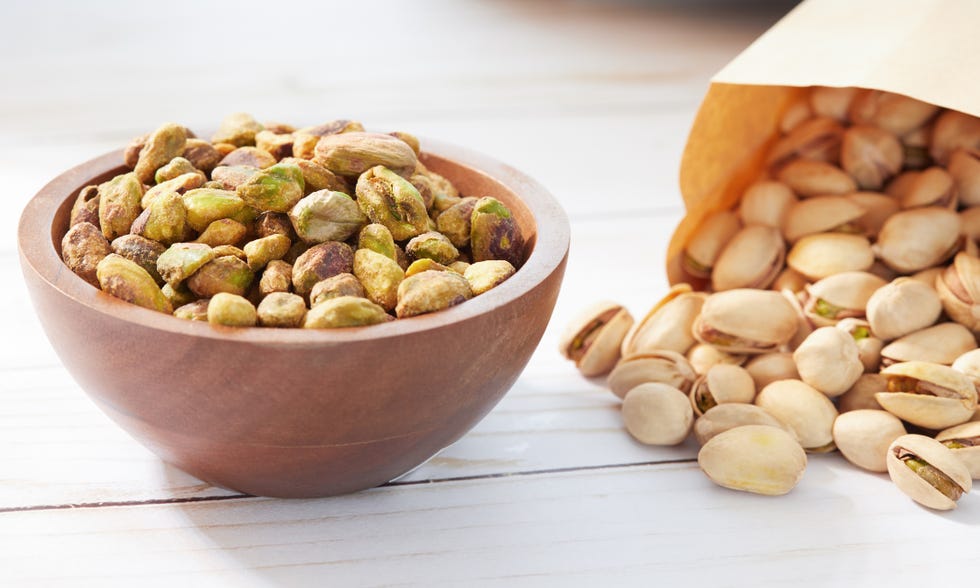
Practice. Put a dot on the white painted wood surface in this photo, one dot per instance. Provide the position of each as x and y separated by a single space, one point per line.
594 100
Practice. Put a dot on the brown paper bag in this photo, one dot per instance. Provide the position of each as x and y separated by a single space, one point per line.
925 49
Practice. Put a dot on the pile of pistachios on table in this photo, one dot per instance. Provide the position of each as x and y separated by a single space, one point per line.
839 309
320 227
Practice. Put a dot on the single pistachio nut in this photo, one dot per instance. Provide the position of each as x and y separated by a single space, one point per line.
871 155
919 238
706 243
964 441
230 177
326 216
931 187
281 310
666 367
163 144
825 254
319 263
941 344
953 130
265 249
224 231
657 414
238 129
249 157
86 207
840 296
754 458
862 393
126 280
179 296
770 367
206 205
201 154
276 277
231 310
593 338
766 203
752 259
804 410
119 204
494 233
927 394
316 177
352 154
746 321
164 221
274 223
141 251
222 274
181 260
828 361
724 417
388 199
454 222
486 275
431 291
724 383
82 248
377 238
964 168
668 324
277 188
927 471
380 276
958 287
196 310
894 113
878 208
278 145
869 347
864 436
335 287
901 307
177 167
807 177
181 185
345 311
818 139
432 245
703 357
822 214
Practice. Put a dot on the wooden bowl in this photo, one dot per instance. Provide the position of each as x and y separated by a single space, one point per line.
296 412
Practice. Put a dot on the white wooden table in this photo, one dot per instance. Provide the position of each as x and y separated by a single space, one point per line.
592 99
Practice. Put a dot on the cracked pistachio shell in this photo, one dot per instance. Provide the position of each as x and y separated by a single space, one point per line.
82 248
222 274
894 113
804 410
871 155
276 277
964 441
454 222
746 321
878 208
238 129
770 367
388 199
335 287
862 393
485 275
840 296
380 275
261 251
723 384
657 414
494 233
206 205
724 417
326 216
666 367
807 177
863 437
703 357
818 139
766 203
795 114
828 360
377 238
940 484
431 291
230 177
126 280
352 154
953 130
316 177
593 338
950 397
281 310
964 167
163 144
277 188
231 310
919 238
319 263
832 102
141 251
825 254
345 311
164 221
119 204
177 167
250 157
201 154
869 346
901 307
822 214
181 260
752 259
708 240
432 245
668 324
931 187
86 207
181 185
958 287
941 343
224 231
196 310
754 458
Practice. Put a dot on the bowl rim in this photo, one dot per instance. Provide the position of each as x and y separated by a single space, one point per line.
36 232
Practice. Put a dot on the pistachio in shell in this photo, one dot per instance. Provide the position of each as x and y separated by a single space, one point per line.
818 138
826 347
901 307
666 367
953 130
878 208
927 394
277 188
958 287
222 274
871 155
319 263
790 279
724 383
931 187
746 321
964 168
941 344
119 204
657 414
82 248
964 441
804 410
593 338
895 113
390 200
486 275
797 112
754 458
770 367
281 310
181 260
840 296
494 233
863 437
431 291
869 347
706 243
668 324
231 310
752 259
336 286
345 311
703 357
766 203
919 238
723 417
825 254
822 214
127 281
832 102
807 177
927 471
862 393
380 276
326 216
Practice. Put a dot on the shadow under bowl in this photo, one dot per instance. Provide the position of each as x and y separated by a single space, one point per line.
299 412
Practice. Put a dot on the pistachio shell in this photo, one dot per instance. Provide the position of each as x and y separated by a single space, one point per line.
878 208
894 113
746 321
723 417
593 338
790 279
869 347
827 347
807 177
969 364
657 414
724 383
964 441
708 240
703 356
964 168
752 259
770 367
931 187
870 155
668 324
863 437
825 254
832 102
766 203
754 458
666 367
817 138
941 344
958 287
902 307
956 406
942 462
953 130
821 214
803 409
840 296
915 239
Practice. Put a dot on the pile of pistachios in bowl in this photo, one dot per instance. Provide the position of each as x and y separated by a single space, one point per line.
838 309
325 226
